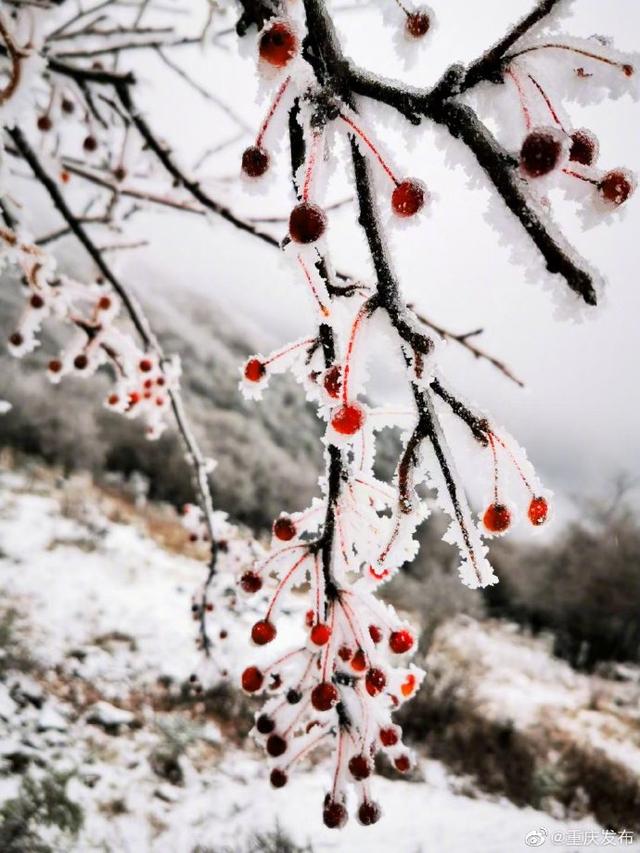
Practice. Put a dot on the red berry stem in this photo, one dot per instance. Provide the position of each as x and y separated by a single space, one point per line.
365 311
492 445
493 437
547 101
323 308
625 67
281 353
522 97
272 111
284 582
311 164
370 144
580 177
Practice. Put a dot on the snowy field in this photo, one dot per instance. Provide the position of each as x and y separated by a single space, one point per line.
104 611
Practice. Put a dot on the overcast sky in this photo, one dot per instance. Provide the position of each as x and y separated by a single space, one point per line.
579 416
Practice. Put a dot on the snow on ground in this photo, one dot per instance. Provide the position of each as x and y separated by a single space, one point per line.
78 577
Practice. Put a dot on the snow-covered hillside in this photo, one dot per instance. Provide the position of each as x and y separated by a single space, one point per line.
103 610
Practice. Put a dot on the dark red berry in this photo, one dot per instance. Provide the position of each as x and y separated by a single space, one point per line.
320 634
90 143
252 679
348 419
538 511
44 123
375 633
334 814
293 696
16 339
255 161
388 737
540 153
67 106
408 198
80 362
145 365
616 186
418 24
120 173
309 618
112 399
307 223
278 778
324 696
104 303
263 632
333 381
375 681
400 642
369 813
359 767
265 724
36 301
276 745
250 582
402 763
497 518
278 44
284 529
584 147
345 653
55 365
254 370
359 661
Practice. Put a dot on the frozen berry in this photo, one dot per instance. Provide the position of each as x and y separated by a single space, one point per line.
104 303
616 186
540 153
90 143
359 767
584 147
375 633
278 44
67 106
276 745
408 198
402 763
408 685
55 366
333 381
254 370
252 679
344 653
80 362
44 123
293 696
145 365
284 529
250 582
255 161
418 24
278 778
324 696
119 173
538 511
263 632
400 642
369 813
320 634
307 223
375 681
265 724
497 518
334 814
348 419
359 661
16 339
388 737
112 399
36 301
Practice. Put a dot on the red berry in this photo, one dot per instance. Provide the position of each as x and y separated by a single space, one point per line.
55 365
538 511
255 161
540 152
334 814
375 633
324 696
359 661
252 679
36 301
263 632
359 767
276 745
417 24
348 419
616 186
344 653
80 362
265 724
44 123
250 582
497 518
375 681
16 339
369 813
408 198
408 685
120 173
388 737
628 70
320 634
145 365
278 778
278 44
307 223
309 618
284 529
67 106
584 147
90 143
293 696
333 381
402 763
112 399
254 370
400 642
104 303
